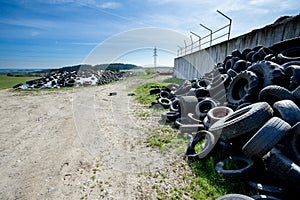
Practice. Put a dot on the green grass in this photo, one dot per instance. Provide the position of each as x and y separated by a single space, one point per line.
143 91
174 80
204 182
10 81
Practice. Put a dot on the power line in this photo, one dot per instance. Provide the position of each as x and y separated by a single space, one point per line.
154 56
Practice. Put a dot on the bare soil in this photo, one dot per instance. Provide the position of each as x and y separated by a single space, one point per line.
82 144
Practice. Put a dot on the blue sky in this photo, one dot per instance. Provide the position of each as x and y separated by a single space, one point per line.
56 33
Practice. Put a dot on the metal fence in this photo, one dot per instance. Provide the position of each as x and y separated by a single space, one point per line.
206 41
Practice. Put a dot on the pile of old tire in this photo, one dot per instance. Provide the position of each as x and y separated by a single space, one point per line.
247 110
73 78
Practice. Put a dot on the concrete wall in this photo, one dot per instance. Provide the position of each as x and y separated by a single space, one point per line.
196 64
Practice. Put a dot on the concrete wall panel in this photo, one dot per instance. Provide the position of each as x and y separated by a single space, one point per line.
194 65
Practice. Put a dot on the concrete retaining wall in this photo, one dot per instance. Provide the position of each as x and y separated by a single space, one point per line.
194 65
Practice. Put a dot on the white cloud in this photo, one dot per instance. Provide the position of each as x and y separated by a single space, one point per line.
109 5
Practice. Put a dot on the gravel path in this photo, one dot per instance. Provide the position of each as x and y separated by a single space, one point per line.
77 144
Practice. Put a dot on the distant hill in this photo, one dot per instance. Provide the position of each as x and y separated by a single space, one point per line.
18 71
107 67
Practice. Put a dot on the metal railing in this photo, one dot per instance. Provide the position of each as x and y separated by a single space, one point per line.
205 41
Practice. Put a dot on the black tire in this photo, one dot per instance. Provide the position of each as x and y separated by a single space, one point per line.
204 106
164 102
187 105
170 116
240 65
231 73
296 95
256 48
270 57
270 73
293 72
164 94
202 136
292 143
243 88
267 188
256 57
288 64
234 197
203 82
206 123
266 138
274 93
155 91
283 168
201 92
243 121
249 56
244 171
286 44
288 55
175 106
264 197
245 52
236 53
172 86
288 111
18 86
230 63
263 52
226 58
243 105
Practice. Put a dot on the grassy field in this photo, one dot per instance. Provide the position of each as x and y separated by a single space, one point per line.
10 81
143 90
205 182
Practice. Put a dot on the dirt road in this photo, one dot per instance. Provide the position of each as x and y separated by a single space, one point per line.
76 144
